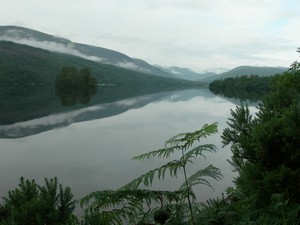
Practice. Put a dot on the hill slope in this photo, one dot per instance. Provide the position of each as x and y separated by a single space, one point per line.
246 70
57 44
25 64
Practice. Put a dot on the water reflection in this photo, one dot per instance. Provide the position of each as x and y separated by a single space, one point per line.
20 103
73 86
97 111
93 151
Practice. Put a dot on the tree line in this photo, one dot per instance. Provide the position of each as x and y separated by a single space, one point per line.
243 87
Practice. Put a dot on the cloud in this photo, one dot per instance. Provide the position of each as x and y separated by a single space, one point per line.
132 66
51 46
128 65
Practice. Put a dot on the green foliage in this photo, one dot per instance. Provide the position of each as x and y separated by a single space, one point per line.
216 211
179 143
240 127
266 148
37 205
239 209
111 207
266 153
130 203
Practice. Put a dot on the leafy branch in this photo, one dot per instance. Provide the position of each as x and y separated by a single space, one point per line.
129 202
181 143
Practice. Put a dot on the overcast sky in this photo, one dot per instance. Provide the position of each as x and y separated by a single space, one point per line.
198 34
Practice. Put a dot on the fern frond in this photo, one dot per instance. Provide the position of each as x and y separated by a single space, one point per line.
112 206
175 140
197 151
147 178
186 140
100 199
197 178
160 153
113 217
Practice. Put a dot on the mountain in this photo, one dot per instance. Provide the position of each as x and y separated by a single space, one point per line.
57 44
207 77
246 70
24 64
186 74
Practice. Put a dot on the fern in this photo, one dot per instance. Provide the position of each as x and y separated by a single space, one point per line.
186 140
181 143
111 207
197 178
197 151
160 153
128 203
147 178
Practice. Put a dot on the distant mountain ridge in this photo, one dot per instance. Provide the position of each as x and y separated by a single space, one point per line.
207 77
57 44
101 55
246 70
186 73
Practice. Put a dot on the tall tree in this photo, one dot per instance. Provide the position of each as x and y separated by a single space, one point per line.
266 147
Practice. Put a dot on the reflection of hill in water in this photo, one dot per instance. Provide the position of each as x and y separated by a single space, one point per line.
104 104
26 102
237 101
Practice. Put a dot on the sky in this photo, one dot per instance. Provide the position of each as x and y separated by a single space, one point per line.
203 35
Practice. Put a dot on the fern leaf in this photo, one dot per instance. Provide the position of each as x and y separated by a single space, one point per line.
198 177
176 140
148 177
197 151
160 153
125 204
186 140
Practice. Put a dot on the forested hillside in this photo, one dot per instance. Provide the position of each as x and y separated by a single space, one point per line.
246 71
24 64
53 43
243 87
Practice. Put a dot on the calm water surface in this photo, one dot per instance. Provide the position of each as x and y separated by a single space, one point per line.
91 148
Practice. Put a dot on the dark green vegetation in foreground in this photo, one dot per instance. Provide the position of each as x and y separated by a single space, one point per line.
128 203
266 155
33 204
